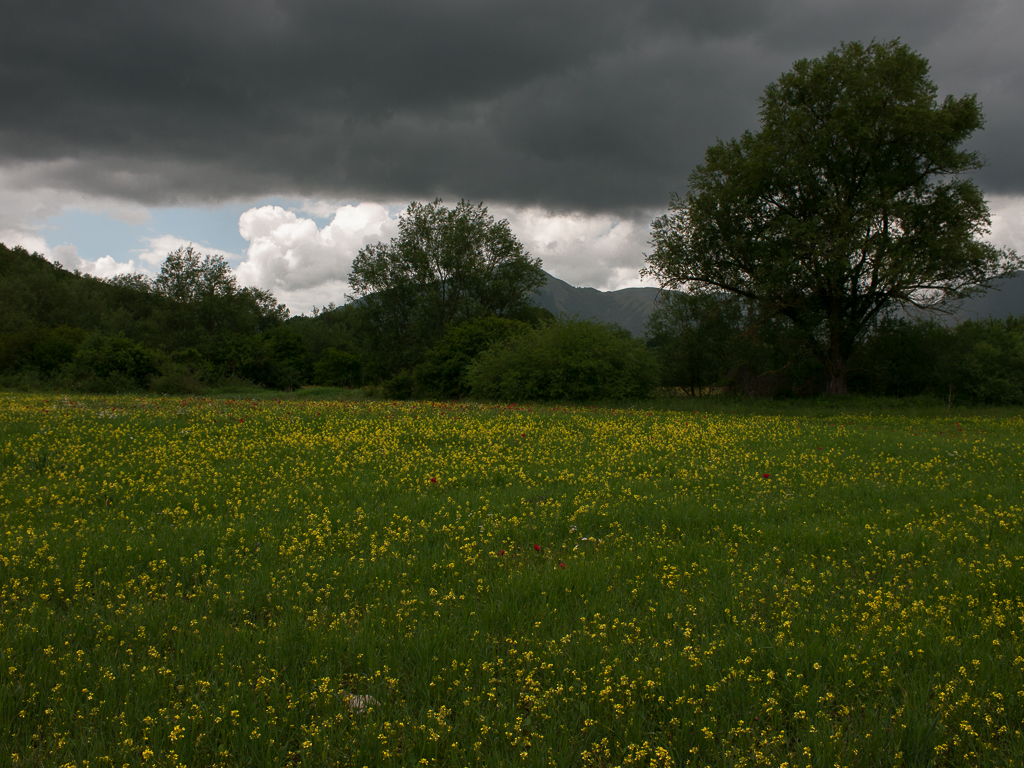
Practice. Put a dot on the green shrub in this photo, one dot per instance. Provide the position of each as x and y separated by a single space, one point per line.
180 374
985 361
574 360
337 368
899 358
399 386
695 339
112 364
46 350
275 359
443 373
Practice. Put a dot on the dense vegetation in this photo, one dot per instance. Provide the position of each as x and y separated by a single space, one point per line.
193 329
716 342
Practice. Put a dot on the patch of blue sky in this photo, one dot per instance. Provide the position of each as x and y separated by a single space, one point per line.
96 234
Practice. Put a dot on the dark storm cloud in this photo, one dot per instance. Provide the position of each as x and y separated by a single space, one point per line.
570 104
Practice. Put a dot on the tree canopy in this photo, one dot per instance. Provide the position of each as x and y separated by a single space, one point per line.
189 277
847 202
445 267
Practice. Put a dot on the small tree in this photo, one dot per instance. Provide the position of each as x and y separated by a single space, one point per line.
848 201
443 372
208 301
187 276
446 266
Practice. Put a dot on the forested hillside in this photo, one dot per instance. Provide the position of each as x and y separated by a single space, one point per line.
192 326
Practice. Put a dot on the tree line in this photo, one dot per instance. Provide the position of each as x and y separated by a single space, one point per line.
717 343
788 268
442 310
193 329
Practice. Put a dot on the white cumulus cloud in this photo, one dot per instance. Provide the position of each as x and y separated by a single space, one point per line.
107 266
305 265
162 245
67 255
1007 221
301 263
597 251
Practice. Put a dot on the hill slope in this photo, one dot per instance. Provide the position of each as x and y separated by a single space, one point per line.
628 307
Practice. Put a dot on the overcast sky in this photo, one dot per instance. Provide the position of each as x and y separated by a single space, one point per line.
285 135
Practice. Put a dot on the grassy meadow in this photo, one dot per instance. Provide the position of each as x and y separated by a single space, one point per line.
254 582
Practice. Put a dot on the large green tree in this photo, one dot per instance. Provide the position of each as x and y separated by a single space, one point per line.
445 267
209 300
848 201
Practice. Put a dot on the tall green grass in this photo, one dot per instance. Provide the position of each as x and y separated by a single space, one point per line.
213 582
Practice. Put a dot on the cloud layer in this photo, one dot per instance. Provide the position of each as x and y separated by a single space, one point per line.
573 119
594 106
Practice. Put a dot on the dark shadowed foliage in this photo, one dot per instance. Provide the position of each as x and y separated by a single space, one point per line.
574 360
443 373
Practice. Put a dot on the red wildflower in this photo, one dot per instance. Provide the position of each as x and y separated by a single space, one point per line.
536 547
433 480
501 553
765 475
561 565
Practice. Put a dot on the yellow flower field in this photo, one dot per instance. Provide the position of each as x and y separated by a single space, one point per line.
251 582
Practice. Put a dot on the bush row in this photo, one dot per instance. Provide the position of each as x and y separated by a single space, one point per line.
712 343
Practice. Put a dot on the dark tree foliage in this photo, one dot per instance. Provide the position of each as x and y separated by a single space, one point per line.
46 350
334 345
113 364
901 357
716 342
36 293
338 368
695 338
446 266
443 372
973 362
848 201
208 302
189 277
576 360
985 362
65 329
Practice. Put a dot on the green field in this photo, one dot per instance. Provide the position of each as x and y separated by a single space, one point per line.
224 582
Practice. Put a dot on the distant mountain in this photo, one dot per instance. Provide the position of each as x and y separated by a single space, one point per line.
628 307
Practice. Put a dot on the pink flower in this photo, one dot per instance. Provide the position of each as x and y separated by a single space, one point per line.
561 565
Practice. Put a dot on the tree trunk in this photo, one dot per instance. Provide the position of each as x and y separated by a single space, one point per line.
835 370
